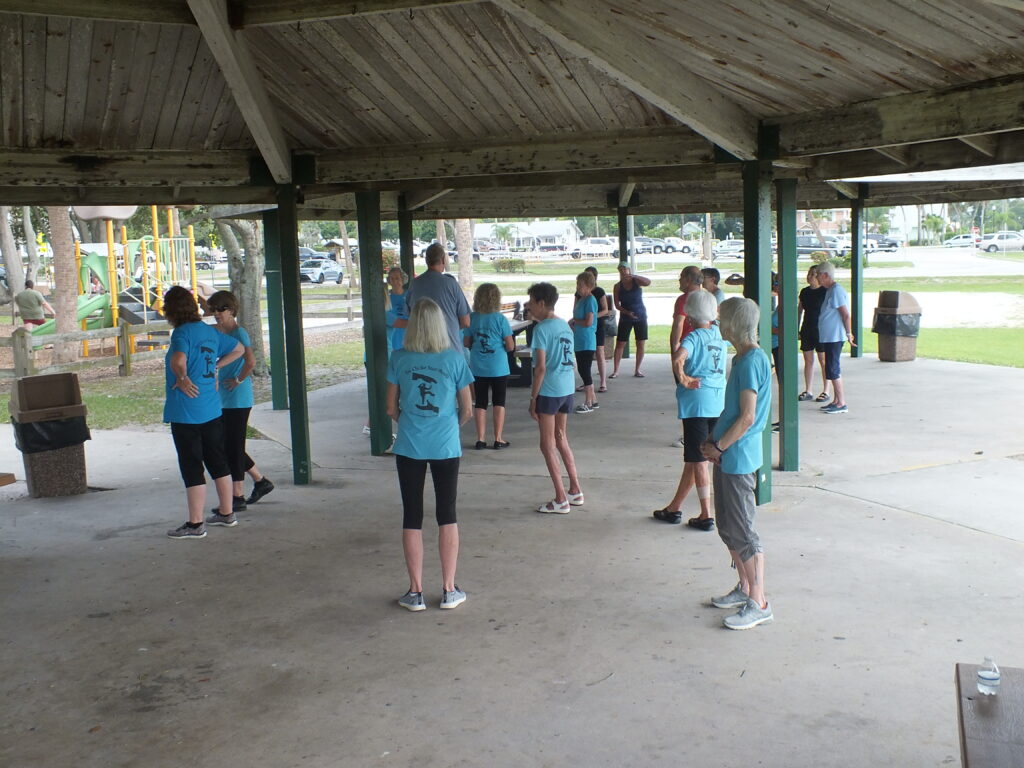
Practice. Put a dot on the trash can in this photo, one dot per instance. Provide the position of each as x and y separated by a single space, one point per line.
50 431
897 322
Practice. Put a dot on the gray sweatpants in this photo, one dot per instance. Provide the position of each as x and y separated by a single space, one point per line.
734 512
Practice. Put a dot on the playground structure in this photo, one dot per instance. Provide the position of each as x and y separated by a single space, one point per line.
126 280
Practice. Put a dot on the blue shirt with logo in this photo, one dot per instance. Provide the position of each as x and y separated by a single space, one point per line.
749 371
554 336
585 338
705 360
830 323
428 383
487 356
203 345
241 396
399 310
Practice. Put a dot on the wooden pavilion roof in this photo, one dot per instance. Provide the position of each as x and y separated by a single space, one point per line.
508 107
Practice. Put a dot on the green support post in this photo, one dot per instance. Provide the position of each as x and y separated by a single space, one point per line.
374 327
295 351
622 214
407 257
857 275
275 311
789 422
757 273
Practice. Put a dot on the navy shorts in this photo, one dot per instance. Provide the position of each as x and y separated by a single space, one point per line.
549 406
627 324
809 341
833 351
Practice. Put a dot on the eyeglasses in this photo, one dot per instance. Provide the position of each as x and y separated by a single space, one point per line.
220 309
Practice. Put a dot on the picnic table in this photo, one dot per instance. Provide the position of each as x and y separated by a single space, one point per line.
991 727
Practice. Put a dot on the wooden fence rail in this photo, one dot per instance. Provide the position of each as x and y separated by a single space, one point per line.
24 345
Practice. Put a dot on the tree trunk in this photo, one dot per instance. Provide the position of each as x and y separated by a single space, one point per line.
246 276
351 265
816 227
709 255
464 246
30 243
64 296
9 250
442 235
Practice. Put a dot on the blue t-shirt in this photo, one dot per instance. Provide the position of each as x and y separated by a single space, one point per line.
705 360
428 382
203 345
396 336
775 327
488 356
751 371
554 336
241 396
830 323
584 338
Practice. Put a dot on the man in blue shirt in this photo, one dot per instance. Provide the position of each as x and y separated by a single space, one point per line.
834 330
554 380
444 290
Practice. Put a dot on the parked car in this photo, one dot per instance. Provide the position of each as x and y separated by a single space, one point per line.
204 265
308 253
650 245
874 241
1002 241
728 248
596 246
673 244
318 270
808 244
960 241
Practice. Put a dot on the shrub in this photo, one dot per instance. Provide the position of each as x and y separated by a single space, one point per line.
390 258
509 265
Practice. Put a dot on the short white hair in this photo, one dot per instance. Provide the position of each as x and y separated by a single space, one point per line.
701 307
739 318
827 268
427 331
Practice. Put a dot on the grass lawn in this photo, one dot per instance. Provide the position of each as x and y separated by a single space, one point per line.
1006 256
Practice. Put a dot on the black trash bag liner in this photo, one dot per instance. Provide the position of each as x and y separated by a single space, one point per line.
897 325
39 436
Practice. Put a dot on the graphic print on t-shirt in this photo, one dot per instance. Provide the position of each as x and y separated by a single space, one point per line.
209 361
426 392
485 344
566 343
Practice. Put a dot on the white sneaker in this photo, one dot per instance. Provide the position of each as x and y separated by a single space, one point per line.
554 507
583 408
678 443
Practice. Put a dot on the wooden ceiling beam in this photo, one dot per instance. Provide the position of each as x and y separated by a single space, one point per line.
625 193
263 12
420 198
901 154
246 83
987 145
149 168
1016 5
991 106
596 34
150 11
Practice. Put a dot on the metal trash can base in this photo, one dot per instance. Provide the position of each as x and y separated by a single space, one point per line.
60 472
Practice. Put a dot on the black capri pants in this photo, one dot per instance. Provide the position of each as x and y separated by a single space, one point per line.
497 386
412 475
585 359
235 421
200 445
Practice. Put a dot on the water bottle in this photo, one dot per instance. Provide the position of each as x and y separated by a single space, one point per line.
988 678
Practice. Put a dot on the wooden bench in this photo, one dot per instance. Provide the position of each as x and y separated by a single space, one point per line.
991 727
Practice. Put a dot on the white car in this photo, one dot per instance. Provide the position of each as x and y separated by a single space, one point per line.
673 244
318 270
1002 241
595 246
962 241
728 248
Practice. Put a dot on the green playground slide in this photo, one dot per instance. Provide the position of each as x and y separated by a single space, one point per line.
87 305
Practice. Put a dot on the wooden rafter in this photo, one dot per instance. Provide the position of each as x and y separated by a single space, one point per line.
987 145
246 84
592 32
951 113
418 199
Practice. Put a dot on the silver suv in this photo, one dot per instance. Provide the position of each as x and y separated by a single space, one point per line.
1002 241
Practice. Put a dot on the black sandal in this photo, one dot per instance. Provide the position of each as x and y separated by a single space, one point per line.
701 523
668 516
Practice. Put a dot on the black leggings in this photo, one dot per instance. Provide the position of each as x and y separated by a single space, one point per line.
585 359
496 384
412 475
235 421
198 446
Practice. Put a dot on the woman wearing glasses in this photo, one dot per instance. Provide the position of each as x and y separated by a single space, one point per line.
236 400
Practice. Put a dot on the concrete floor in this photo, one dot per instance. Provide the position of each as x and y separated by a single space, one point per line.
893 554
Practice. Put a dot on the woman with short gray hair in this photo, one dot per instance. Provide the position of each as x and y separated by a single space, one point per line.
735 448
698 364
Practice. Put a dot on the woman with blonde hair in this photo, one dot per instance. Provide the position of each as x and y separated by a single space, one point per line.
428 395
489 338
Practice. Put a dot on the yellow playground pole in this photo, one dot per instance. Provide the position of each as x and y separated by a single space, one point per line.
145 279
192 259
112 275
173 250
81 290
127 271
158 305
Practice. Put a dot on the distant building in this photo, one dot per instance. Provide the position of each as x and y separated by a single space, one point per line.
554 235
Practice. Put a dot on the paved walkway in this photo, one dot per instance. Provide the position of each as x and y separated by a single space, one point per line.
895 552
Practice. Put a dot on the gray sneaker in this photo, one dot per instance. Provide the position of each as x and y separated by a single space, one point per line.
749 616
185 532
412 601
453 599
836 408
228 521
734 599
